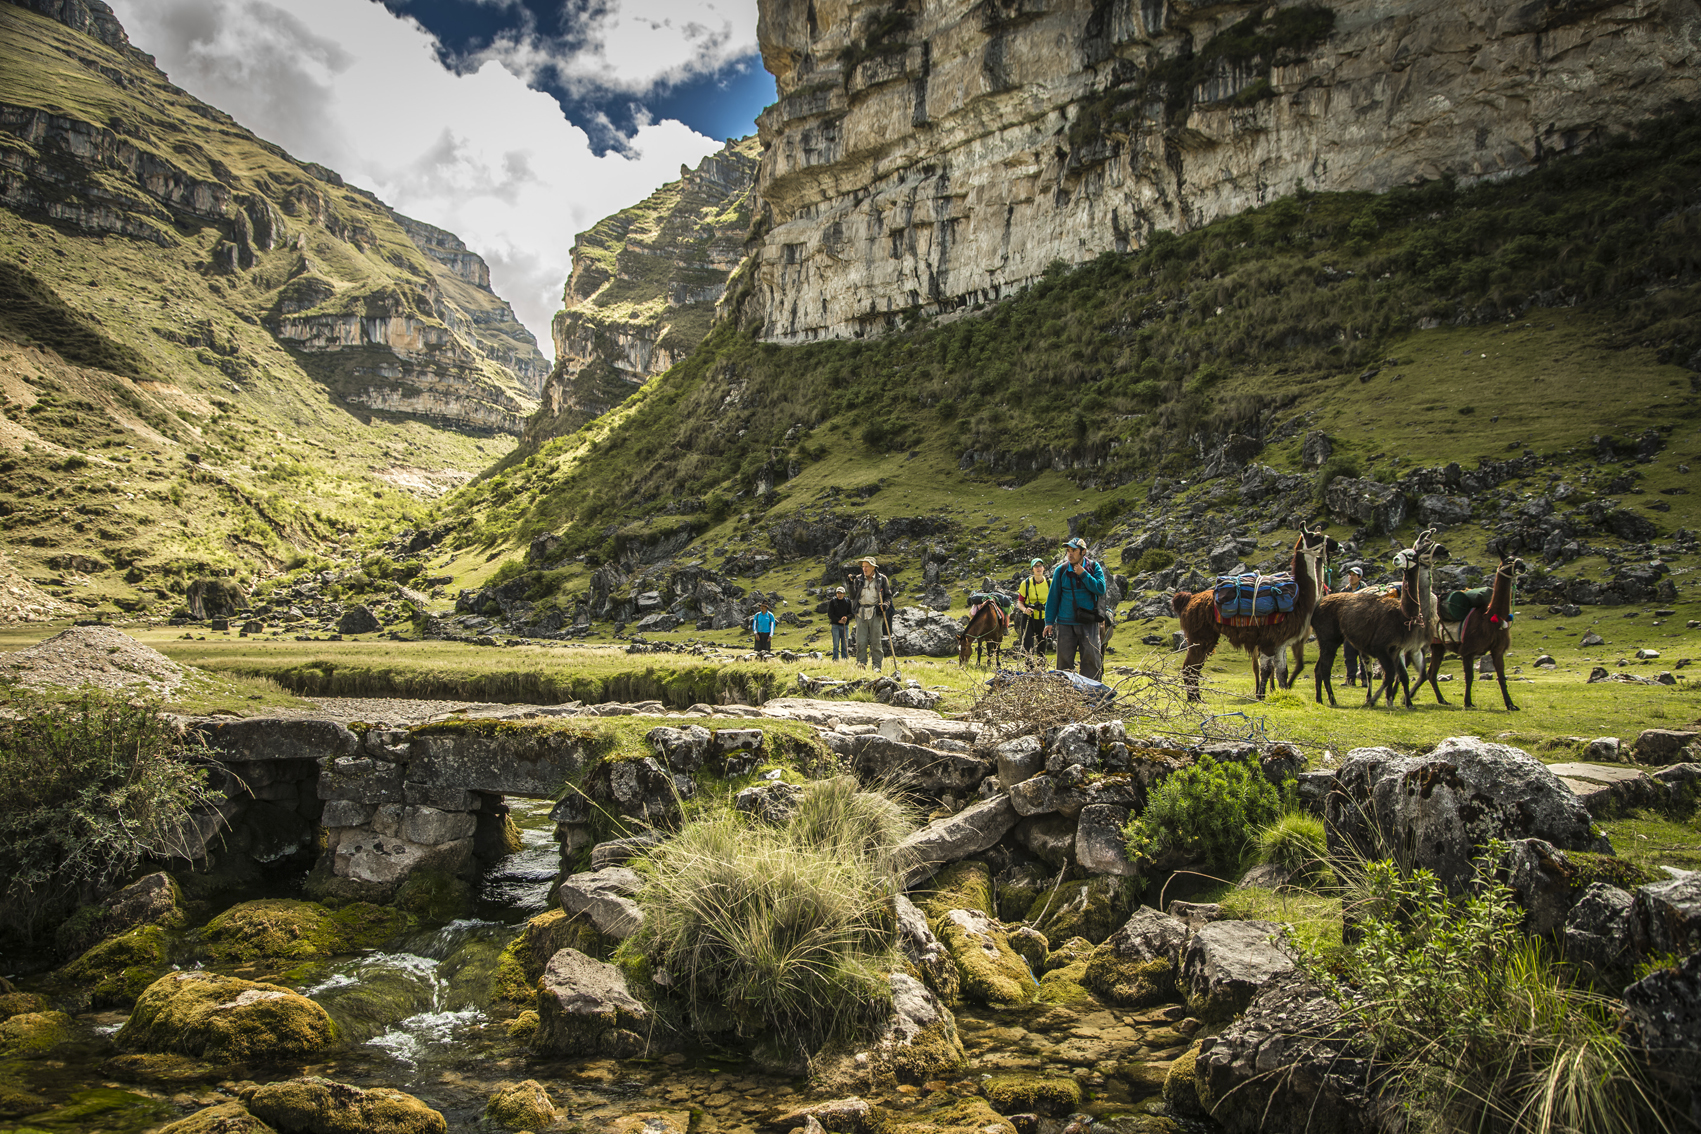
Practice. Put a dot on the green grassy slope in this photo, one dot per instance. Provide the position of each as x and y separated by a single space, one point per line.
1533 313
159 421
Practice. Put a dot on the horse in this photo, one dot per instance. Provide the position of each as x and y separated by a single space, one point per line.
985 631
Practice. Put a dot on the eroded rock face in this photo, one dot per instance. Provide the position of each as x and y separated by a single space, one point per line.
1438 810
1285 1065
941 160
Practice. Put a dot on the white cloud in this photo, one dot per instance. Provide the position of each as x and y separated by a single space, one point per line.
349 85
631 45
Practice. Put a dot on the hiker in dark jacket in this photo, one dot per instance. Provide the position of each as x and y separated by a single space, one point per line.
839 612
1071 610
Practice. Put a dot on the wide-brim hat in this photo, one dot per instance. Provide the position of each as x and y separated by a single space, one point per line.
868 559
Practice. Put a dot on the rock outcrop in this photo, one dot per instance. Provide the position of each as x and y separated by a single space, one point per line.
936 156
644 286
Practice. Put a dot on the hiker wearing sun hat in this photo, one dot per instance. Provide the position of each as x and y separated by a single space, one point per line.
871 595
1030 600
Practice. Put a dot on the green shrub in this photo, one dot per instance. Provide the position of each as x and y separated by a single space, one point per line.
1154 559
87 790
784 930
1338 465
1477 1023
506 571
1204 811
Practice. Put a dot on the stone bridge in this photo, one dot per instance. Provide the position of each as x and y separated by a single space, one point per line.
380 803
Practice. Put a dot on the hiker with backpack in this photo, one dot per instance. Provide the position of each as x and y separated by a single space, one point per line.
1072 613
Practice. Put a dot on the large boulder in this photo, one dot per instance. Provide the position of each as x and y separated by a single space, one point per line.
319 1106
919 1040
991 971
1378 507
225 1118
924 951
605 896
1226 963
1664 1013
153 899
955 837
221 1018
585 1008
1100 846
917 631
916 767
1289 1064
1598 931
358 619
683 749
1136 965
1668 916
294 930
1438 811
1660 746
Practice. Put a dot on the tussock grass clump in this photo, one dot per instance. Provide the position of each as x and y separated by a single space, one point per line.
88 789
1295 842
1481 1027
785 930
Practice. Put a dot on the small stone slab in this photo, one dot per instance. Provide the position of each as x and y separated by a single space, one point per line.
605 896
954 837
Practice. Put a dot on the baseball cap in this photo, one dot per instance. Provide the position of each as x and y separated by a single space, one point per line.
1076 542
1355 569
1036 563
841 590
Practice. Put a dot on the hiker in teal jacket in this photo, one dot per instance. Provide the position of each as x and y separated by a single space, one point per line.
1071 610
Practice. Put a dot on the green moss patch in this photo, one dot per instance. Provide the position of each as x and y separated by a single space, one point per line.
1063 985
32 1034
1052 1095
116 971
294 930
991 972
1181 1086
17 1003
960 886
1127 982
1093 908
525 958
1588 868
521 1106
324 1107
951 1116
225 1118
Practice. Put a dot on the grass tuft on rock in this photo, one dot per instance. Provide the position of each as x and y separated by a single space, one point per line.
787 930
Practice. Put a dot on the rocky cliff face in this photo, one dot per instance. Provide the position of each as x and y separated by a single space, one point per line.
644 287
387 312
928 156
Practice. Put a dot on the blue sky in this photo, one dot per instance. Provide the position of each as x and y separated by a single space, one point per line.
515 124
721 102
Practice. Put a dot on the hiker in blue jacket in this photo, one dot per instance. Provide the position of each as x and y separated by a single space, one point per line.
762 622
1071 610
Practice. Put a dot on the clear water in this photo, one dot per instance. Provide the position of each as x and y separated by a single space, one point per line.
417 1016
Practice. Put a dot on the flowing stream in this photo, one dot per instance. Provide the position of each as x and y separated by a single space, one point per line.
416 1016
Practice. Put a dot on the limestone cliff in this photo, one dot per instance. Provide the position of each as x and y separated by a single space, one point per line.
383 311
928 156
644 286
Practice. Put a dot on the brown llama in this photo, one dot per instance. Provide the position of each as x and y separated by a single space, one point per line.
985 630
1378 625
1266 642
1482 632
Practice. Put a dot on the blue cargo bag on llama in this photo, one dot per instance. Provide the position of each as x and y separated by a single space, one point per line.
1253 596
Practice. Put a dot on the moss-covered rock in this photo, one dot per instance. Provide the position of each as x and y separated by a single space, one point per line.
30 1034
16 1102
434 896
17 1003
1053 1095
525 958
1127 981
521 1106
1181 1086
1073 950
82 929
319 1106
1030 945
991 972
1016 889
960 886
1063 986
950 1116
114 972
226 1118
1092 908
292 930
224 1018
524 1026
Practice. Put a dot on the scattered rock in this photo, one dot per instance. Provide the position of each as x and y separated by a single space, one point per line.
605 896
1591 639
1225 964
1100 846
1668 916
1598 930
358 619
585 1008
1603 750
1660 746
319 1106
1136 965
521 1106
956 837
225 1118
